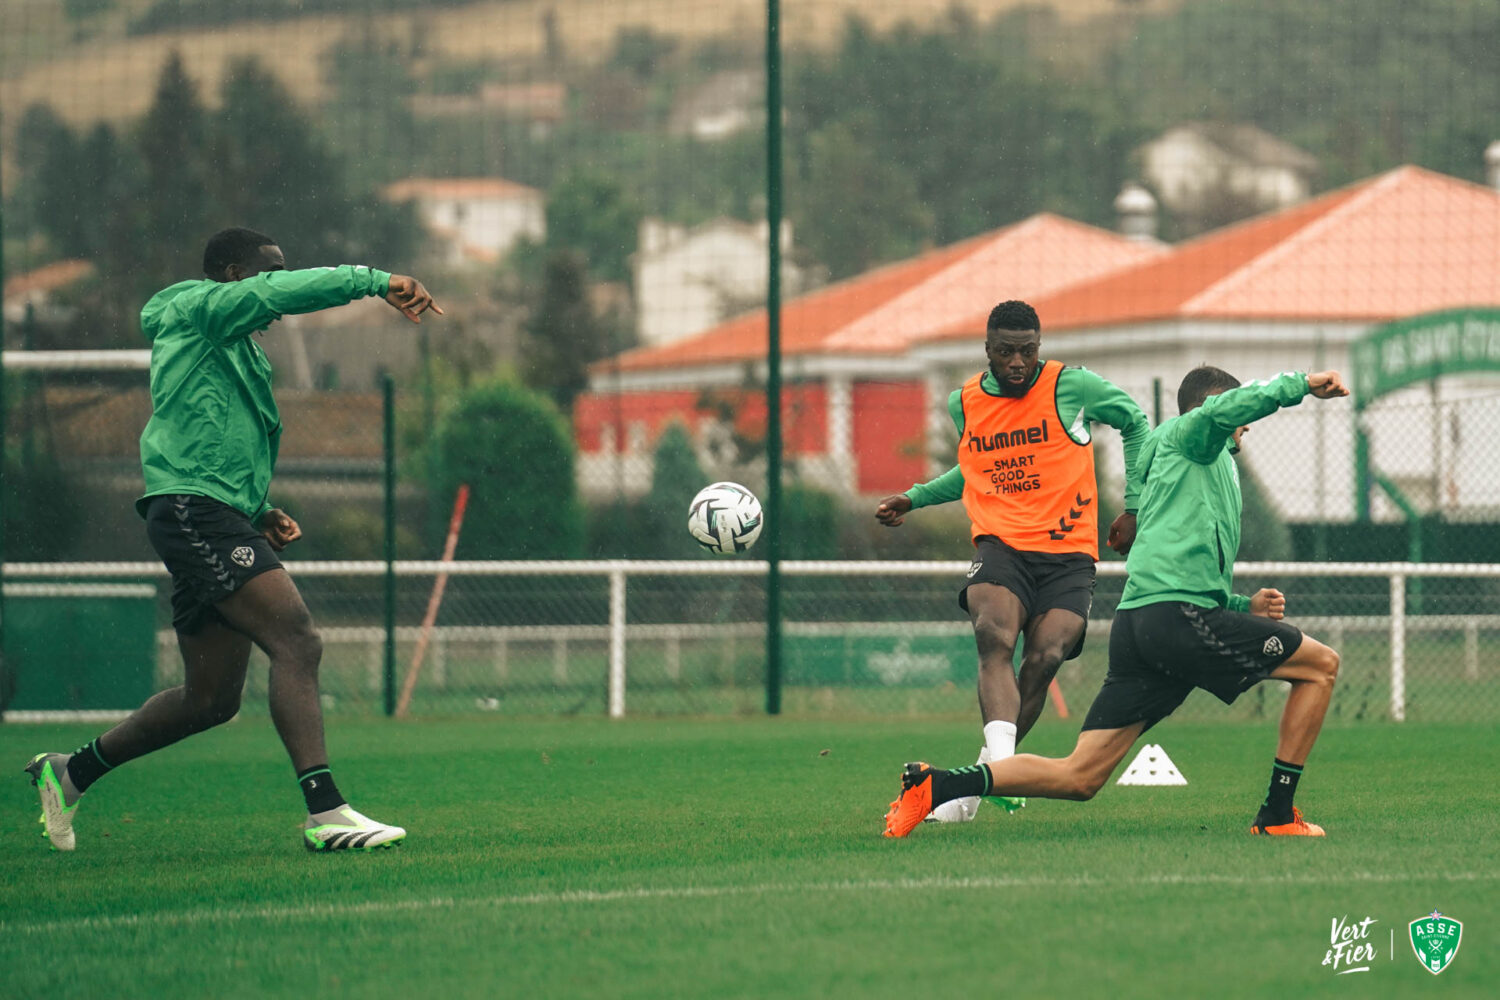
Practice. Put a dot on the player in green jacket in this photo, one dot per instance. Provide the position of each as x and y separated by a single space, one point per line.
1179 626
208 453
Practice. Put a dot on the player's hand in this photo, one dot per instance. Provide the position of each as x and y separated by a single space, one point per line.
1326 385
893 510
408 296
279 528
1122 533
1268 603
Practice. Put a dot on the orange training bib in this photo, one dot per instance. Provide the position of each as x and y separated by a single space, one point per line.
1025 480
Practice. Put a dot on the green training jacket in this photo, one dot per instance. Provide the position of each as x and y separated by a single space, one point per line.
1188 526
1080 392
215 429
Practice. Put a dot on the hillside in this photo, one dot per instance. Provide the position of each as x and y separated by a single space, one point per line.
110 75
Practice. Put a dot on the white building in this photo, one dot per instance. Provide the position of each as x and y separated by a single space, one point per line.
474 219
1195 161
688 280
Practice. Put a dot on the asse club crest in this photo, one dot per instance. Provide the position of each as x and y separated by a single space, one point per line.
1435 939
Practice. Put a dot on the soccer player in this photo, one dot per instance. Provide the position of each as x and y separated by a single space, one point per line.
1026 475
1179 625
208 452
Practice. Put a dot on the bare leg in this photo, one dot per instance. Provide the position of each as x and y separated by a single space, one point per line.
1076 776
1312 670
1049 638
271 612
214 661
997 615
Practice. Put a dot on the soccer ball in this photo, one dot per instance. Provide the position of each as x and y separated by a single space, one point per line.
725 517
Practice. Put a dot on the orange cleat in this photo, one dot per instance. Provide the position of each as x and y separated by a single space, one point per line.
914 802
1298 827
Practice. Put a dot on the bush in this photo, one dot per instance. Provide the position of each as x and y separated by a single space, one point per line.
513 449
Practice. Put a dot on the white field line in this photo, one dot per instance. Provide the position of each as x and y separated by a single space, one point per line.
589 897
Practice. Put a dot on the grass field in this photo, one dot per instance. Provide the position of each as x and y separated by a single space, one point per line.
742 858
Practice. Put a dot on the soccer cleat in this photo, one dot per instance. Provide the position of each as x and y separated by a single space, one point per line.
914 802
345 829
1012 804
48 771
1298 827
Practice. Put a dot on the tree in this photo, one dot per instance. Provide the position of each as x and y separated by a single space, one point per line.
866 209
593 215
563 335
513 449
174 199
675 477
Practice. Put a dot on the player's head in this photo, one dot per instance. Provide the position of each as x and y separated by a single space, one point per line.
1012 337
237 253
1202 382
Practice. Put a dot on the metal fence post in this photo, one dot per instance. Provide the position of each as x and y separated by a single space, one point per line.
388 392
1398 647
773 358
616 643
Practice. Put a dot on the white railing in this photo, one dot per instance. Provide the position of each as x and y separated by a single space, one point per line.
1397 623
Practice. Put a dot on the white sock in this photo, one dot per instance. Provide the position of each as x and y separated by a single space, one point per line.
1000 739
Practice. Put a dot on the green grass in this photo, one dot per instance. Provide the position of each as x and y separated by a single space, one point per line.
736 858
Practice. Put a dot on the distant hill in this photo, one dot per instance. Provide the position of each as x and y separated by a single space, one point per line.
97 71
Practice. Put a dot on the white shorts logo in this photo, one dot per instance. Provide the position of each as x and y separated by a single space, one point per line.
974 568
1272 647
245 556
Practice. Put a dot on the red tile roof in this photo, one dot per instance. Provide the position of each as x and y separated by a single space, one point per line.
887 309
1405 242
47 278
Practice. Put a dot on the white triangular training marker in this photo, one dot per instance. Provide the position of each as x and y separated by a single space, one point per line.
1152 766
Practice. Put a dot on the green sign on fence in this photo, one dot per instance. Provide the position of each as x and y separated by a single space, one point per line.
1423 348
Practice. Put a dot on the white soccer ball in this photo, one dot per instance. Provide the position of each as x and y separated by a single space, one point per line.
725 517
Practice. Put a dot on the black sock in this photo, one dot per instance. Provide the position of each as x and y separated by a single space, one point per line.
1284 778
960 783
87 765
319 790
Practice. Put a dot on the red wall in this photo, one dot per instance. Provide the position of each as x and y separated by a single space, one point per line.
804 415
889 434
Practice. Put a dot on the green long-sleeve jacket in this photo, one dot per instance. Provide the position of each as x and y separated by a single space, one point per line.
215 429
1188 526
1078 391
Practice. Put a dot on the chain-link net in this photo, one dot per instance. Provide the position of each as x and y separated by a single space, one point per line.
584 186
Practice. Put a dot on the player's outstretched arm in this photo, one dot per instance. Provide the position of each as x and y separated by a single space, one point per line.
409 297
1203 430
1106 403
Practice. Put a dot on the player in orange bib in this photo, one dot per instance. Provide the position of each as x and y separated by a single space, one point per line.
1025 473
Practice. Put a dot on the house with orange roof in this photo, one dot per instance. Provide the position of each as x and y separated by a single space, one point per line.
1294 289
474 219
858 414
37 288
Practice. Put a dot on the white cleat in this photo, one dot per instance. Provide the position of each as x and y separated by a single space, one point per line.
345 829
959 810
49 774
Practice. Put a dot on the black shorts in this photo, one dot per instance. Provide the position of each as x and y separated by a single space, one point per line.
1040 580
210 549
1159 652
